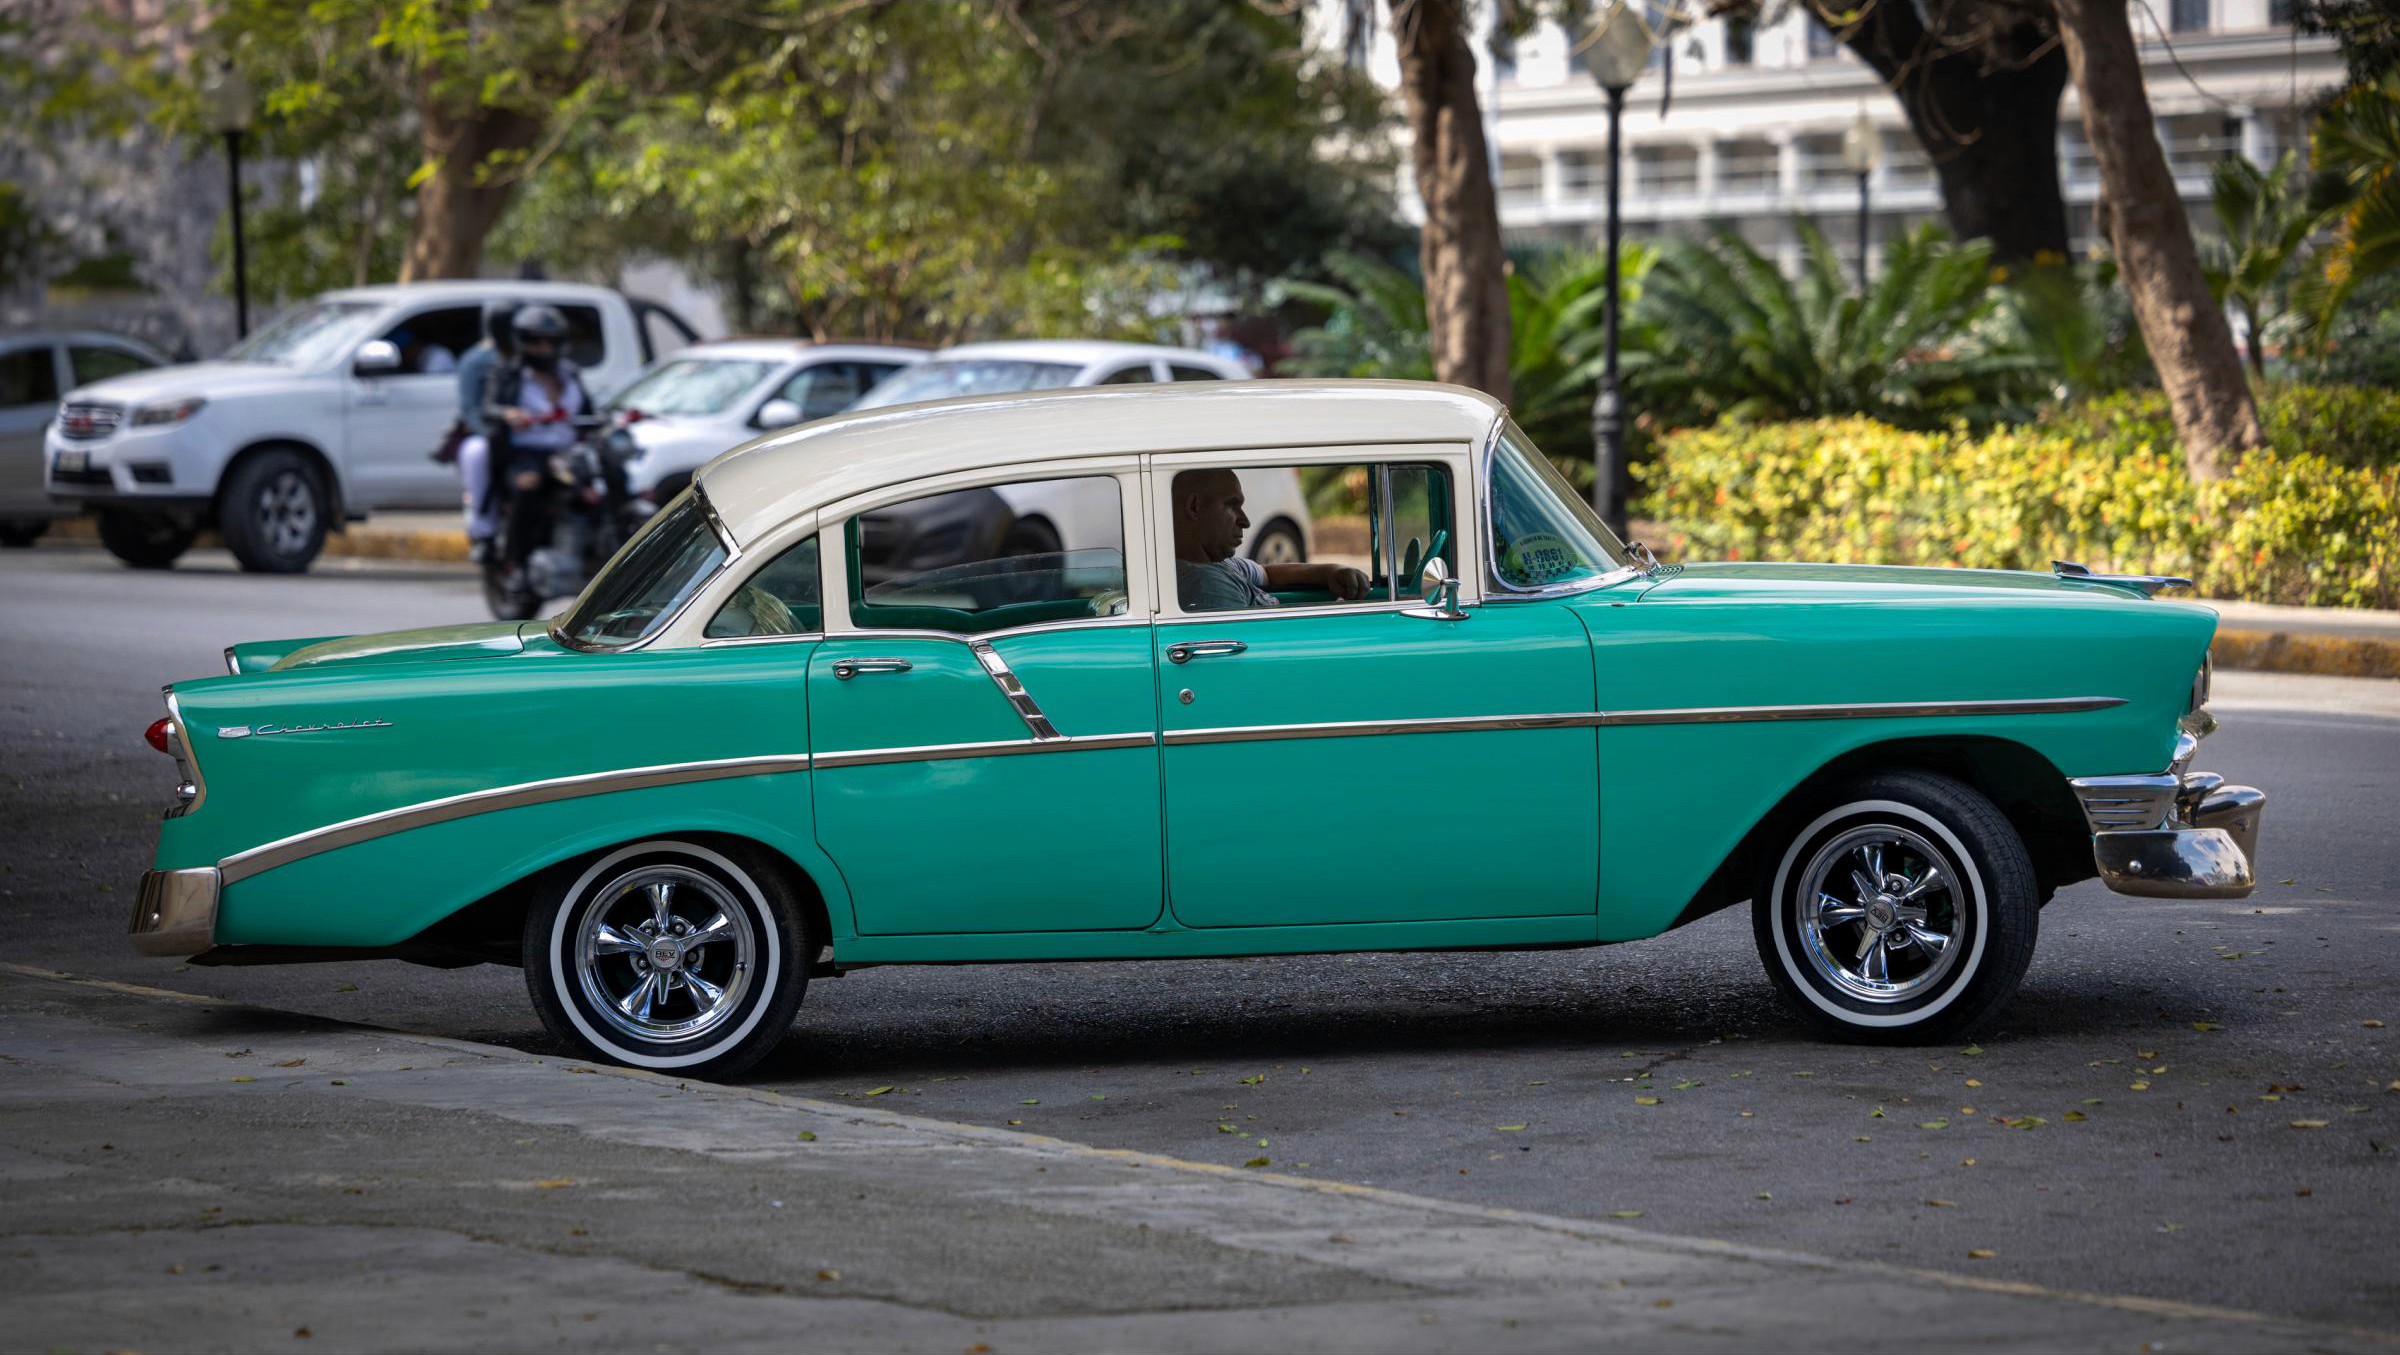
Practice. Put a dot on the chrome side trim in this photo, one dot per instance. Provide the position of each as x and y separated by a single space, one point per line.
187 762
1689 715
1005 678
949 752
2118 803
175 913
741 641
349 832
1864 710
232 664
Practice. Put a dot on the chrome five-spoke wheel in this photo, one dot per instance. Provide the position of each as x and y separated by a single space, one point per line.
1878 913
1900 906
664 953
670 954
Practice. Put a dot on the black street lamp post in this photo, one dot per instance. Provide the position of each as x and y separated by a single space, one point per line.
227 97
1615 53
1862 151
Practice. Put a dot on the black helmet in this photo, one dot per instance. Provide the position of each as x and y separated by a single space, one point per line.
499 323
540 322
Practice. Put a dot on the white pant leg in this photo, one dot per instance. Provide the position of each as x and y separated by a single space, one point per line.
474 473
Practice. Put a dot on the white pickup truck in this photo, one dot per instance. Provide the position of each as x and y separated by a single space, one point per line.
327 414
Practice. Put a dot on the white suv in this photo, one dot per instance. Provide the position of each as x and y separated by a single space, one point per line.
327 414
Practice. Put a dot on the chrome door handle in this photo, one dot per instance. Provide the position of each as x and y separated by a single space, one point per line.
846 669
1201 649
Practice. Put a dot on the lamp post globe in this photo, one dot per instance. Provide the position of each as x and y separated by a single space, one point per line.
227 101
1614 52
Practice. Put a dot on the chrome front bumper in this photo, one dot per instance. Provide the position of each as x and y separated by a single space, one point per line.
176 912
2175 835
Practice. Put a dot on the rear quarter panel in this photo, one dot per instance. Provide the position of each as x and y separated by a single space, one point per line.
431 730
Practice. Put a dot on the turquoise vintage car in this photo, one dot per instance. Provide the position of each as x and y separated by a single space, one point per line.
755 750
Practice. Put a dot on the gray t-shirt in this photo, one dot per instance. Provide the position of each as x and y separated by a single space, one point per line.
1227 585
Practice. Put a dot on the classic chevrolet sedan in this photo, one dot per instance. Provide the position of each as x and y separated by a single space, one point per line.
752 752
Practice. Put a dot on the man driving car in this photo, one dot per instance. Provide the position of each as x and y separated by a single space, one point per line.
1210 572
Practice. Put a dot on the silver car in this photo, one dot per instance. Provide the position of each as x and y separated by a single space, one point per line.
35 368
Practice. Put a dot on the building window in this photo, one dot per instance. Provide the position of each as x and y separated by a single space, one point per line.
1822 44
2279 13
1741 41
2188 16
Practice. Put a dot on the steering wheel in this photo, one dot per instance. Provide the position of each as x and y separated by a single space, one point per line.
1415 560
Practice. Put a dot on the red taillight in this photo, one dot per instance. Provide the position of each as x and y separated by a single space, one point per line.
157 732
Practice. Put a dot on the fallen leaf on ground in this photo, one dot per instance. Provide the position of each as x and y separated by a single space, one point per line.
245 1079
1254 1079
1258 1162
808 1136
1981 1254
2074 1116
1972 1049
2310 1124
829 1274
1625 1213
2138 1086
1686 1085
2372 1024
1030 1101
875 1091
554 1183
291 1063
1766 1195
1974 1082
2204 1027
1933 1124
1645 1100
1508 1128
1941 1204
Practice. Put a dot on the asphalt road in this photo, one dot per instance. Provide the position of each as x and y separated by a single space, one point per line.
2192 1101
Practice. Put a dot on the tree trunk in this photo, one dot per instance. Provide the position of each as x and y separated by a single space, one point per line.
2190 342
459 202
1987 116
1466 276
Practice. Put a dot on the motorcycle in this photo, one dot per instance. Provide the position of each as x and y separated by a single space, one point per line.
590 515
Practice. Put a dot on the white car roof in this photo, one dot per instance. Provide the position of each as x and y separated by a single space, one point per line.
792 350
766 482
470 290
1083 352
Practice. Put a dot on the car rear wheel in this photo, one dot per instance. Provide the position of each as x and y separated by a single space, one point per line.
1279 543
1902 909
146 540
669 955
274 513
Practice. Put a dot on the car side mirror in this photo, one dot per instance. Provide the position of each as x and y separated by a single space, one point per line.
376 357
779 414
1439 590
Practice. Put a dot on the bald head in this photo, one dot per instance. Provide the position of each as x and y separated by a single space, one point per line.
1209 522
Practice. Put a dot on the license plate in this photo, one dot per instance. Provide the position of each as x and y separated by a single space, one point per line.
74 463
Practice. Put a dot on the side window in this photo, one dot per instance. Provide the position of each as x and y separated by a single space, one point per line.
827 388
1137 375
432 342
1308 536
586 346
1183 373
99 364
977 560
783 598
28 376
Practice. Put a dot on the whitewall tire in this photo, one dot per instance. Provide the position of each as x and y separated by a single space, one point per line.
669 955
1901 908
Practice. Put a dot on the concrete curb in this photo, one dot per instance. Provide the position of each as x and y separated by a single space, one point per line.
361 541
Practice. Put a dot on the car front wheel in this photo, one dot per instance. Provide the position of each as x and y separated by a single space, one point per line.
669 955
1900 909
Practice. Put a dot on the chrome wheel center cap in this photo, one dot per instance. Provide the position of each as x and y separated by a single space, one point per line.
665 954
1881 913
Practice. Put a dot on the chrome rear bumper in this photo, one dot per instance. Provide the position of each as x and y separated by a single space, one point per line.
2174 835
176 912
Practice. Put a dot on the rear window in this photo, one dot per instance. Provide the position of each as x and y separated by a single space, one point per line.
944 378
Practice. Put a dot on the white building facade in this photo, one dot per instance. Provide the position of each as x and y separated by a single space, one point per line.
1753 137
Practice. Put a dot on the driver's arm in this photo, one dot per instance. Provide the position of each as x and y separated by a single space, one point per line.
1340 580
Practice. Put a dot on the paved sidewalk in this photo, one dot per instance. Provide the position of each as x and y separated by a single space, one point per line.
185 1174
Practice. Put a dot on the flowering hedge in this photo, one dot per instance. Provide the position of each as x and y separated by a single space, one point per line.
2100 485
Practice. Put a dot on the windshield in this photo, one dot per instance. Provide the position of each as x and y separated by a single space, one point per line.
693 386
1544 535
649 580
309 336
943 378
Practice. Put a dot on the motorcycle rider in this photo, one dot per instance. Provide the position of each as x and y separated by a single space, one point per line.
532 402
475 459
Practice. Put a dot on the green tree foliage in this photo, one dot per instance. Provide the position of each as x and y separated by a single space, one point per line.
2267 216
1376 327
1735 337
